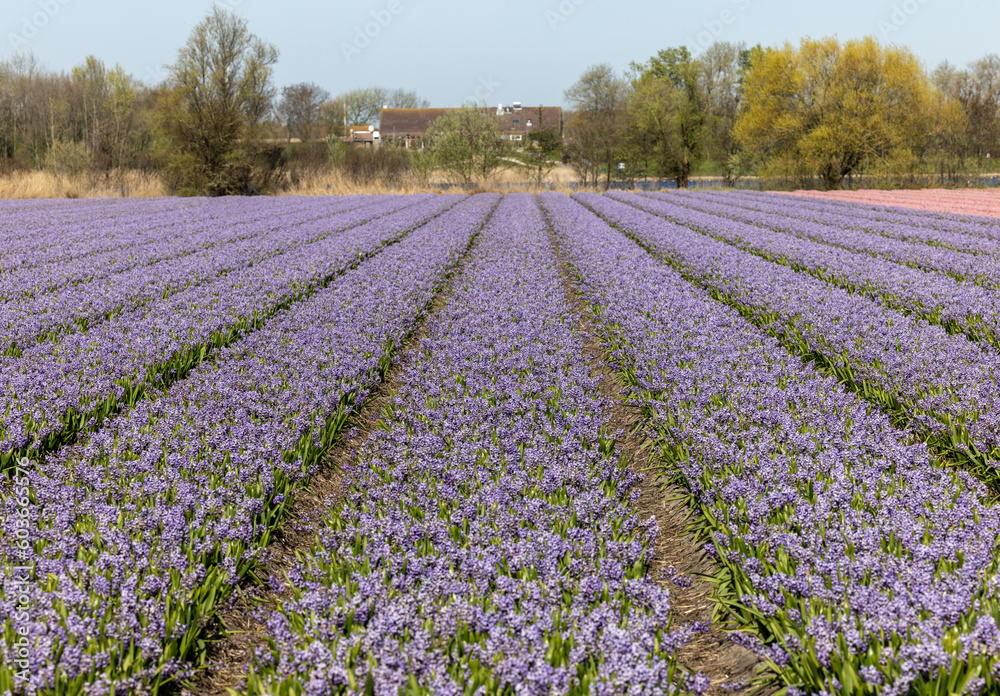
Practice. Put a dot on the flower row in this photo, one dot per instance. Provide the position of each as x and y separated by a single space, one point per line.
139 534
861 564
981 268
943 385
483 542
909 228
32 217
37 274
142 222
964 205
54 389
974 224
25 320
959 306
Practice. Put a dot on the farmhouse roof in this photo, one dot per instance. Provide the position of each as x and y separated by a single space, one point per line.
411 121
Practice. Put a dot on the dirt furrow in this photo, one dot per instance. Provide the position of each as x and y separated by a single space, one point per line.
241 630
678 563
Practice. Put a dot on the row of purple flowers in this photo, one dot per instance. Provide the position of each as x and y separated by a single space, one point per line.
855 561
484 542
54 389
140 533
943 386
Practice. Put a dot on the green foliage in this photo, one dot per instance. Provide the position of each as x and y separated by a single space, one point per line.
547 141
537 158
667 112
336 150
468 146
670 66
385 165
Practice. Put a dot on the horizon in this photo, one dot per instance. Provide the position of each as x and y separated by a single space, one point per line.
372 43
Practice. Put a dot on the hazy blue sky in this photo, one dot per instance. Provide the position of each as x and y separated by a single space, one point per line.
501 51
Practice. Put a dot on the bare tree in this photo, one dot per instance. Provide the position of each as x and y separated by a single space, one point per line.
300 109
719 77
28 92
979 94
594 133
404 99
364 106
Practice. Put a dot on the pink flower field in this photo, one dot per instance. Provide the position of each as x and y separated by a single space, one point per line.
962 202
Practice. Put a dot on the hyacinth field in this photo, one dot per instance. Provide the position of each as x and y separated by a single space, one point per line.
816 380
971 202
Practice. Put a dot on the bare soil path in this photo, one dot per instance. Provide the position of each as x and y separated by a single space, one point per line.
241 628
731 667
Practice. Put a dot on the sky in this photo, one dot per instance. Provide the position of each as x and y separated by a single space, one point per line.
495 51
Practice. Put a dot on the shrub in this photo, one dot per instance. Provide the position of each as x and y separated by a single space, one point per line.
386 165
68 158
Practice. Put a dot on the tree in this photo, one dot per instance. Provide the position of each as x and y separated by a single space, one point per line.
595 129
91 82
837 109
300 109
124 135
213 115
579 143
721 78
334 118
105 118
667 111
467 144
543 145
978 91
28 91
363 107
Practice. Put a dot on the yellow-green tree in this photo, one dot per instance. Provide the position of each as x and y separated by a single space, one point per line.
833 109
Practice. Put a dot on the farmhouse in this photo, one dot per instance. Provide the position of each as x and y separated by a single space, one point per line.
362 135
516 121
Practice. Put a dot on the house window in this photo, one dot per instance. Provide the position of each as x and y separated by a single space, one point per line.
517 120
529 123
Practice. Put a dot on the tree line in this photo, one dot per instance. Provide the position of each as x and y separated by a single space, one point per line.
216 125
821 111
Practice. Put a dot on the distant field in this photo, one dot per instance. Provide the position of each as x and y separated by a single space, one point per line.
984 202
397 444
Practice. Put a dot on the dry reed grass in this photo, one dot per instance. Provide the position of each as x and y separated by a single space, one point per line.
138 184
115 184
333 183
